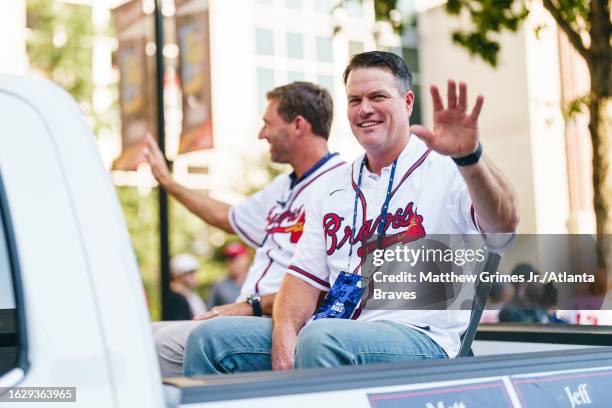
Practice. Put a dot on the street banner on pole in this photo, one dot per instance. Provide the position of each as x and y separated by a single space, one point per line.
136 83
192 32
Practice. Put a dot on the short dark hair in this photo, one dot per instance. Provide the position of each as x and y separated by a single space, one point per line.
382 59
312 102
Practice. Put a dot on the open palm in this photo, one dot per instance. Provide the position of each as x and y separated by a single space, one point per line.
455 132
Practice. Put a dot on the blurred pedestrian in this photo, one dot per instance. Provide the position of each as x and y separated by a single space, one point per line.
227 290
184 302
527 304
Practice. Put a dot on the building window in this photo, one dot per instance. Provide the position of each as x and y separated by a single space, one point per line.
395 50
265 82
415 117
327 82
324 49
355 47
324 6
293 4
411 58
264 41
295 45
293 76
354 8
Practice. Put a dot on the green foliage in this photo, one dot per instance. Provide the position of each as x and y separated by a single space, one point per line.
478 44
577 106
68 62
384 9
142 214
490 18
487 16
575 13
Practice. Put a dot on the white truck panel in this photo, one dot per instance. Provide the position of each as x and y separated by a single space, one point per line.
72 243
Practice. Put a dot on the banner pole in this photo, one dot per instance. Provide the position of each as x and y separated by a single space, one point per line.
164 241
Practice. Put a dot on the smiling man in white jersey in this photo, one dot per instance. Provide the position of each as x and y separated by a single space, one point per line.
297 122
405 184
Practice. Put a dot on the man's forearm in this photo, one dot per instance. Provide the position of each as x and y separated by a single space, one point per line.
294 304
213 212
267 304
492 195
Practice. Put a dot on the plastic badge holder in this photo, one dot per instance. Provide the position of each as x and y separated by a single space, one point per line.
341 301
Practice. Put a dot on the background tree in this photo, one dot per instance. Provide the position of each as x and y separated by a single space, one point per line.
588 26
141 216
59 46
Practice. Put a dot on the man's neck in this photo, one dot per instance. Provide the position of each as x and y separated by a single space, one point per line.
308 158
378 159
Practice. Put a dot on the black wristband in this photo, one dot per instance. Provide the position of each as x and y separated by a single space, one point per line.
255 301
470 158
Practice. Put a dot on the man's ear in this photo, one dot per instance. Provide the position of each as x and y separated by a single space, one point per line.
300 125
409 99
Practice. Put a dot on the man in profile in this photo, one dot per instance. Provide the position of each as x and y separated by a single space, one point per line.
297 122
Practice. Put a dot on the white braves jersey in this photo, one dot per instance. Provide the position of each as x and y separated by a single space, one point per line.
429 196
272 221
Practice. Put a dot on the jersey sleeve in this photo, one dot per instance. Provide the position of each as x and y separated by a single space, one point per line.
250 217
309 261
464 215
459 204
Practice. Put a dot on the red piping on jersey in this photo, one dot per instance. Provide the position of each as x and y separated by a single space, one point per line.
411 169
309 275
242 232
474 217
265 271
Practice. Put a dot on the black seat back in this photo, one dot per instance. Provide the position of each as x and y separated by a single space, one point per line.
481 294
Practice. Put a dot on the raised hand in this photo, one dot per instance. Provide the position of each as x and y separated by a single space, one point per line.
455 132
157 161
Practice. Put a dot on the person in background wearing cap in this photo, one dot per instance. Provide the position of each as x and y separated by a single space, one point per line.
237 263
296 124
185 303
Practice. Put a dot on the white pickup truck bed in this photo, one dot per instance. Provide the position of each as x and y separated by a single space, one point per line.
86 319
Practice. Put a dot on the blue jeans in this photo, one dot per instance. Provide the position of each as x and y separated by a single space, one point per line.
240 344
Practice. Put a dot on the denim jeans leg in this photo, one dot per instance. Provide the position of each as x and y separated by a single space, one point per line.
335 342
229 344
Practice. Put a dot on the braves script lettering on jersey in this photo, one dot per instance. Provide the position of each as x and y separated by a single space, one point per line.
429 196
272 221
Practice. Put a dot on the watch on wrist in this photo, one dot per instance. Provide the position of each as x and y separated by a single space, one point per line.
470 158
255 301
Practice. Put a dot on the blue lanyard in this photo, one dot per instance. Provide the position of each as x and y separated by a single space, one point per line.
383 210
